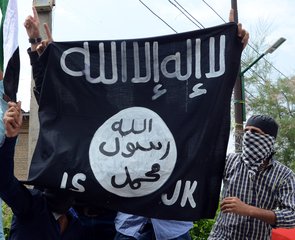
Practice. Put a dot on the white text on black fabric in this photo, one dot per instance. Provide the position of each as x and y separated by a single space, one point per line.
154 67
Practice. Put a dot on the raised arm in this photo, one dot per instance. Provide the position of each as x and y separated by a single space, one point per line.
32 24
38 45
15 194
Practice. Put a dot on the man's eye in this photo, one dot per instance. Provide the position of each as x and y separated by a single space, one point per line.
252 130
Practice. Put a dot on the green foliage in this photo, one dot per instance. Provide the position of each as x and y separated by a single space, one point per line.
201 229
268 94
7 216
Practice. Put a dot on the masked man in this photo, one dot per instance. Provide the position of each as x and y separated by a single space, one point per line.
258 192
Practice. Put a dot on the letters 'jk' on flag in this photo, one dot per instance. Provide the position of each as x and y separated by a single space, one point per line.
139 125
9 50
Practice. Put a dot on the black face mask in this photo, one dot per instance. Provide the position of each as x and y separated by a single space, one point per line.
257 148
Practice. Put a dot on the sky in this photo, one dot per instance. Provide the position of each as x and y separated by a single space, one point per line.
75 20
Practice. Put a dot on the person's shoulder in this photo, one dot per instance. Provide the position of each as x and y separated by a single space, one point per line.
232 159
283 169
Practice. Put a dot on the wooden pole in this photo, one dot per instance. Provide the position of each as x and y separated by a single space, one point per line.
238 98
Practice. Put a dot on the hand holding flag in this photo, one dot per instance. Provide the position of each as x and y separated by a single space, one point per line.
242 33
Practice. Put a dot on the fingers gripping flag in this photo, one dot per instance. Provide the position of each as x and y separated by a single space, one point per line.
9 51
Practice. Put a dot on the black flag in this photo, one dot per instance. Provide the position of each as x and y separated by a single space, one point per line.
139 125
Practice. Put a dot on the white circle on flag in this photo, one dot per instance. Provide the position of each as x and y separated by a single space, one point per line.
133 153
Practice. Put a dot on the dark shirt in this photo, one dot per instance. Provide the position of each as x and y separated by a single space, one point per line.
37 72
32 218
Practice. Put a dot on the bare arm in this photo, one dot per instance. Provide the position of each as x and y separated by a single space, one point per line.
14 193
235 205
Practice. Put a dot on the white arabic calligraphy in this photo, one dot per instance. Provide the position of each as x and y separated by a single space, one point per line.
152 63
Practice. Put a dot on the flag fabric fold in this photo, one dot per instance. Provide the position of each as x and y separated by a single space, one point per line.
9 49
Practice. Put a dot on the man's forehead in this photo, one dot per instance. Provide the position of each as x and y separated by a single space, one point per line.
249 127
